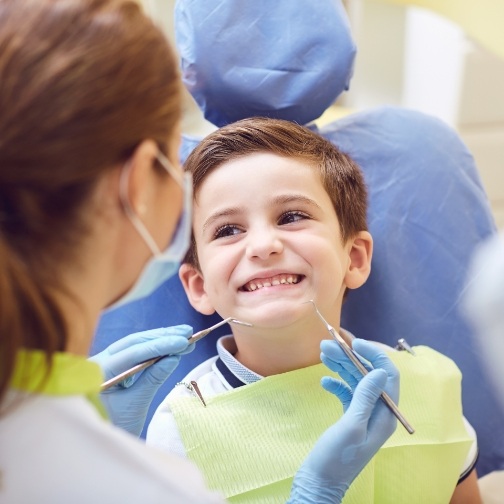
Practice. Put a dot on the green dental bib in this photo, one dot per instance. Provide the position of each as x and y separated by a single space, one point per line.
249 442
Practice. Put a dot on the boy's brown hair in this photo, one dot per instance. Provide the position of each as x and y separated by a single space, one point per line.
340 175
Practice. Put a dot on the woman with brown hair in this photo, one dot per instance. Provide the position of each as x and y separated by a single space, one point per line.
90 101
90 217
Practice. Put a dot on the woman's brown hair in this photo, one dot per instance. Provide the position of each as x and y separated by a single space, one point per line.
340 175
82 83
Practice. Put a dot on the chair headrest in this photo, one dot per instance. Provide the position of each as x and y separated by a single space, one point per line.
284 59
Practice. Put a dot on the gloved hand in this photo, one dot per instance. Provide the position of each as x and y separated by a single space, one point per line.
128 402
346 447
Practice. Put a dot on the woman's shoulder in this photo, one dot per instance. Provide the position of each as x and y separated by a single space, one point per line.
46 439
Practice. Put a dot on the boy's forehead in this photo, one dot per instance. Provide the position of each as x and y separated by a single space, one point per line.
245 165
262 179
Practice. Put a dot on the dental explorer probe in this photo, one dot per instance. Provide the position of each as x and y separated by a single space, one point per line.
349 352
139 367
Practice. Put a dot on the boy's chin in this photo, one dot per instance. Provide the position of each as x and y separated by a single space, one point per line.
276 316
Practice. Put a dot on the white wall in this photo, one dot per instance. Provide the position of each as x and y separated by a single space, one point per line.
414 58
193 124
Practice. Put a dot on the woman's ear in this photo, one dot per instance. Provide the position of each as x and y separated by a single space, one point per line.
194 286
360 252
140 176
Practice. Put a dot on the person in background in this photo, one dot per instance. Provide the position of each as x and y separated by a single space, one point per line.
483 306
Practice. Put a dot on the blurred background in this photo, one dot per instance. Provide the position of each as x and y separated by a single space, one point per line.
446 60
442 57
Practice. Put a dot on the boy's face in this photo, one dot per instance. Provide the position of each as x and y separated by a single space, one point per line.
268 240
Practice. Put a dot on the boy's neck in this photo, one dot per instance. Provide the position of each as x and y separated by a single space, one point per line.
280 351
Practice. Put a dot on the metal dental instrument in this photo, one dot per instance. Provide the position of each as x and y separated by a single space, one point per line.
358 364
197 391
139 367
402 344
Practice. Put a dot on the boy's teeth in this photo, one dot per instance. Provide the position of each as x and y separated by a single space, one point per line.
268 282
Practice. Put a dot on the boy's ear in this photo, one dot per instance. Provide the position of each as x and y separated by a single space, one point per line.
194 286
360 253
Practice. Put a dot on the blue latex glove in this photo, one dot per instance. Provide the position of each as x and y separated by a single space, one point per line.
128 402
346 447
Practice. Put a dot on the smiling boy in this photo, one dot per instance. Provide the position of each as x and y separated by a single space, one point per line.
280 219
268 239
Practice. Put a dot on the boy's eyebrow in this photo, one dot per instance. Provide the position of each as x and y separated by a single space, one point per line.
278 200
226 212
295 198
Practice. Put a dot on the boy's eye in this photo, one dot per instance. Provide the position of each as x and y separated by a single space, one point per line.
292 216
226 230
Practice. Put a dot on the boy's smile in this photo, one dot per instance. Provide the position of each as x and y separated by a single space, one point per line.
268 239
271 280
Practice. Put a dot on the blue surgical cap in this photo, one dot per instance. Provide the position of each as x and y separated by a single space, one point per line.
276 58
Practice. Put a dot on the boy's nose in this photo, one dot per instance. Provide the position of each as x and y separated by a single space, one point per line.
264 243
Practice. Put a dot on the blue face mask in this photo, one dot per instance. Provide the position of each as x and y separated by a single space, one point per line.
162 265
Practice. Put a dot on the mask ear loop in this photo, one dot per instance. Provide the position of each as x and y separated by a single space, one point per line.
176 175
132 216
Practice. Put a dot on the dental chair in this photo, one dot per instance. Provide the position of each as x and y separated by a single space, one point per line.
427 212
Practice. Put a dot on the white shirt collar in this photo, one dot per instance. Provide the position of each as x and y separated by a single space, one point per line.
226 348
